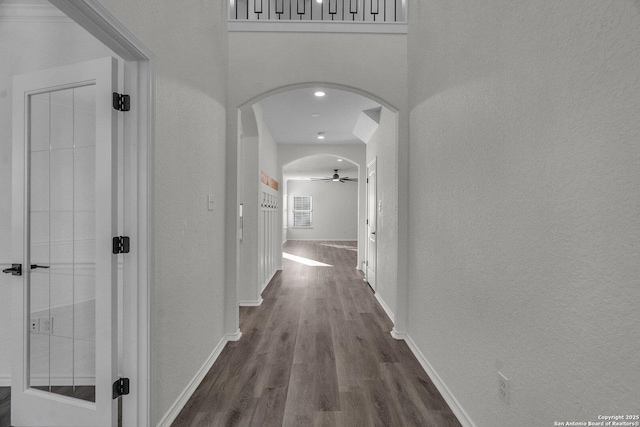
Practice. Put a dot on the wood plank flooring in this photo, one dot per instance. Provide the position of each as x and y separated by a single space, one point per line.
317 352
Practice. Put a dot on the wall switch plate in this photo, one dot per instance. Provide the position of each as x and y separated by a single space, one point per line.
211 202
503 387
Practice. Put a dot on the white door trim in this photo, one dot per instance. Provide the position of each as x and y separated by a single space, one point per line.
140 78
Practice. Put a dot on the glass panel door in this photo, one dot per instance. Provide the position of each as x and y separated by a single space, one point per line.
62 285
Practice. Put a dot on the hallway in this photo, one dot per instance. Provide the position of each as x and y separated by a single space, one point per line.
317 352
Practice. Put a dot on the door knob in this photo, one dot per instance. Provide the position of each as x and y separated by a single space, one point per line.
15 270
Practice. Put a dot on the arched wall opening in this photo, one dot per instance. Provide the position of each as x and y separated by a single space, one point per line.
244 285
350 158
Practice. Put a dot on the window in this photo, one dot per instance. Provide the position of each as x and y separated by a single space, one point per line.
302 211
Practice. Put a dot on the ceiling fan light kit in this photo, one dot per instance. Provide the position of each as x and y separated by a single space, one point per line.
336 178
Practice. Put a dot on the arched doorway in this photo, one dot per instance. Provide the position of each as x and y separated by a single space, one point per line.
378 126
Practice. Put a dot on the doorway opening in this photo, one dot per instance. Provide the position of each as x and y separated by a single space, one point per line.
276 129
65 33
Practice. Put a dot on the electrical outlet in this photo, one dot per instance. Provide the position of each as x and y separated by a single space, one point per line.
46 325
212 202
503 387
34 325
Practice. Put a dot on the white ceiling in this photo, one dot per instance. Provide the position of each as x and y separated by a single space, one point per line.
288 115
319 166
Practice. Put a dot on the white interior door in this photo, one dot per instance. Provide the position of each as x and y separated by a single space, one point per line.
64 317
372 222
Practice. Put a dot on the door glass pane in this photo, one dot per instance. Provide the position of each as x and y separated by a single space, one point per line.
62 242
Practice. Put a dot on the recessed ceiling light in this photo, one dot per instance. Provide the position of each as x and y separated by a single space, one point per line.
339 160
319 1
319 93
320 135
315 115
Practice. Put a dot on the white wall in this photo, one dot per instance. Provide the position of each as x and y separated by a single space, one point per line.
386 156
26 47
190 44
335 210
525 208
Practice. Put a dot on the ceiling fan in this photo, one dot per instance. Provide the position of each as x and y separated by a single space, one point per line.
336 178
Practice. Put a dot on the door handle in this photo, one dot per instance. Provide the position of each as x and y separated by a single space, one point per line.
15 270
373 232
34 266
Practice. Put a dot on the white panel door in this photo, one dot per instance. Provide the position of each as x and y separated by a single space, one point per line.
372 222
64 321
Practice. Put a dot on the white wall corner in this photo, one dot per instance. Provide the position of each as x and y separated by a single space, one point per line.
385 307
186 394
448 397
251 303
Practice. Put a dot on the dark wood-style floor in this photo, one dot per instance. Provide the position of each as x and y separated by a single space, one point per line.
317 352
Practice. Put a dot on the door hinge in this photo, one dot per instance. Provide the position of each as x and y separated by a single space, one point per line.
121 245
121 102
120 387
367 180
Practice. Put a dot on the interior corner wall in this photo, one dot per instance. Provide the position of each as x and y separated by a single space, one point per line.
386 156
27 47
525 205
188 309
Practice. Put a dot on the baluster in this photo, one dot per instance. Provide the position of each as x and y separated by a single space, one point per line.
375 8
279 11
353 9
333 11
304 8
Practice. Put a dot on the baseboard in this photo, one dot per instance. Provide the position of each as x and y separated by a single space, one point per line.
186 394
385 307
398 335
5 381
250 303
453 403
234 336
322 240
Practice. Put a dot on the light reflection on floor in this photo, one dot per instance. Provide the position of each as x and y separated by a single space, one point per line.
305 261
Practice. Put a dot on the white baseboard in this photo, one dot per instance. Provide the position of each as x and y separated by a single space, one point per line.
5 381
186 394
234 336
453 403
385 307
398 335
250 303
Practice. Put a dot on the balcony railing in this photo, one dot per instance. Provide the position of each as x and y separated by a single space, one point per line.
379 14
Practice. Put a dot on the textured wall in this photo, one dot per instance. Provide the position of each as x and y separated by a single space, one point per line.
189 41
335 210
27 47
525 207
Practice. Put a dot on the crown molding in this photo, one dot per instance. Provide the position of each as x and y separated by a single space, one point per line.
32 13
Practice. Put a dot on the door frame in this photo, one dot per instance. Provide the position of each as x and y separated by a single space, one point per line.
373 163
139 273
